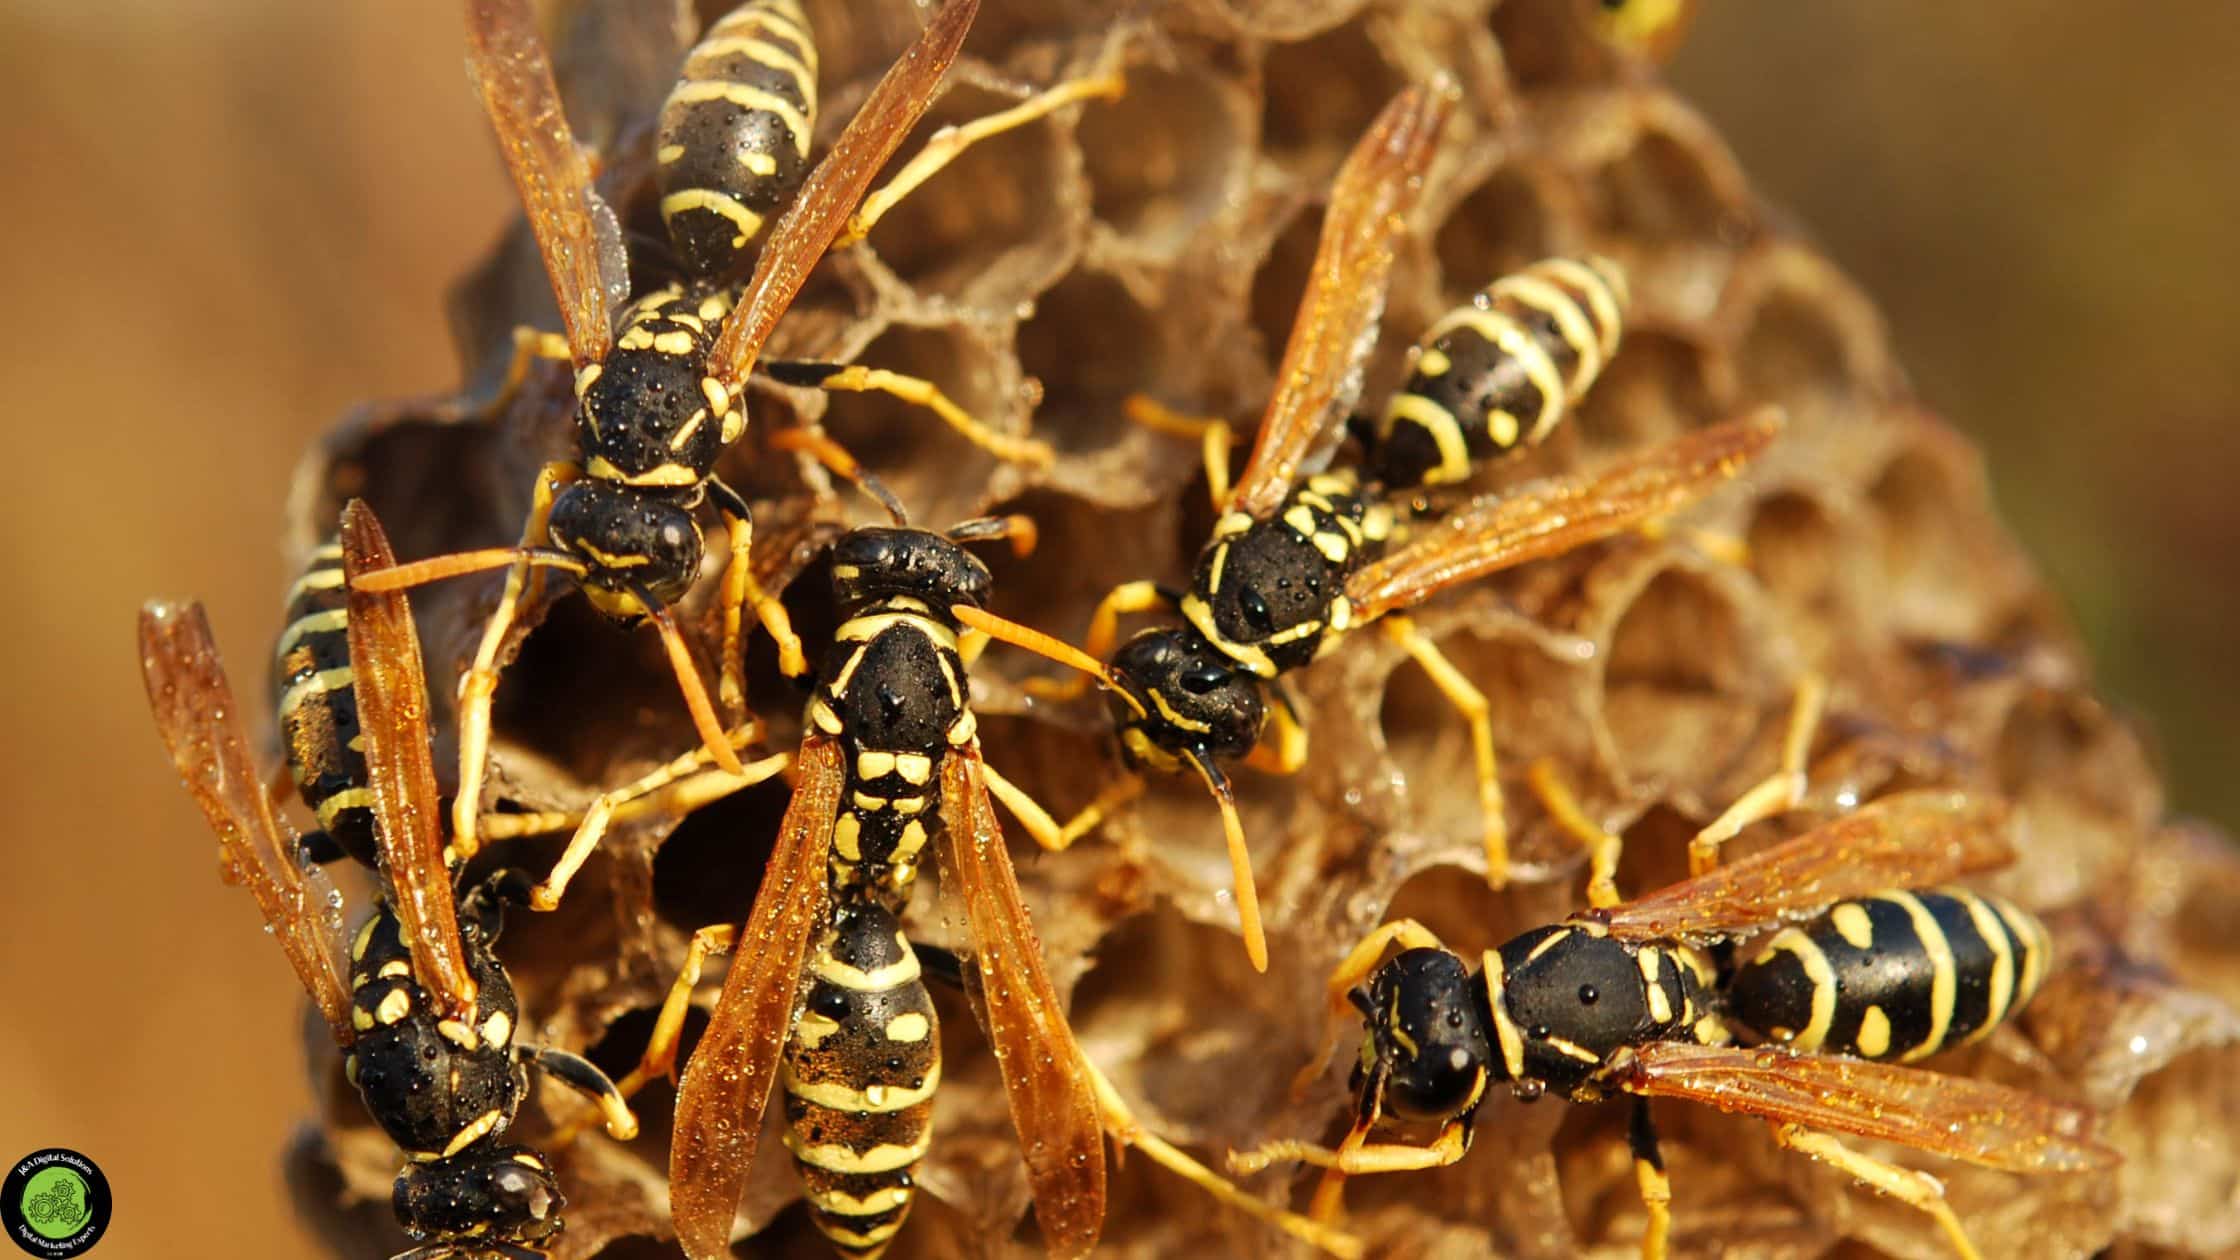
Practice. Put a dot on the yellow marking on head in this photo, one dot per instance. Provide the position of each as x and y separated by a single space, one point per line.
914 767
1874 1033
877 980
675 342
746 222
1504 1028
847 836
746 96
874 764
1167 711
1853 924
1823 980
908 1026
395 1005
607 560
1944 972
1398 1034
870 1100
668 153
324 622
498 1029
1445 431
321 683
347 798
885 1157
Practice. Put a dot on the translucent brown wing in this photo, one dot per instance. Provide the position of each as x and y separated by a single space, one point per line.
1053 1100
200 722
1336 327
726 1086
575 229
1553 516
1910 840
392 693
1976 1121
831 192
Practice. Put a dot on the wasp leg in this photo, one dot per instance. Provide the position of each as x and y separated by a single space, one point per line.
1779 791
529 346
951 141
1213 434
480 686
819 446
698 792
1126 1130
1471 702
584 1077
739 590
1649 1175
1045 829
1602 846
1283 749
1351 971
856 378
645 796
1104 633
659 1060
1917 1189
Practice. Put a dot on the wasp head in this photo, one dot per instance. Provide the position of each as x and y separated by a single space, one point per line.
633 543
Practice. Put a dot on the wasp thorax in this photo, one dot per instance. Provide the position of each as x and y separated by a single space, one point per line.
634 544
1428 1034
870 566
646 415
506 1193
1271 590
1178 693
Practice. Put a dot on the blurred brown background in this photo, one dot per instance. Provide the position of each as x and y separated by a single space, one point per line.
228 220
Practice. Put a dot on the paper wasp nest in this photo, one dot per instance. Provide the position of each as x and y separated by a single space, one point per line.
1158 244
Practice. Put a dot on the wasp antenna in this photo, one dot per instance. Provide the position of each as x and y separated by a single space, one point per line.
712 734
820 447
1018 527
1240 860
1034 641
436 568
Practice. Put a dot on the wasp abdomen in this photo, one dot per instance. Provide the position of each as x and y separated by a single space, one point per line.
735 133
1899 976
1498 373
861 1068
317 698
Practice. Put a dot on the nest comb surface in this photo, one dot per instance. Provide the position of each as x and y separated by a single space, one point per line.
1158 244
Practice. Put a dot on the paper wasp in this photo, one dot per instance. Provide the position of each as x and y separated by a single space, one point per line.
1630 998
826 993
660 381
1296 561
427 1017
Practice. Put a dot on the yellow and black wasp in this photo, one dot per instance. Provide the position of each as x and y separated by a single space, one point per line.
659 381
1296 561
828 996
424 1013
1635 998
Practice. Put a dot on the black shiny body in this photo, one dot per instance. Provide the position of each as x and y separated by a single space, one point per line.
486 1201
1896 976
1271 593
313 689
734 134
893 692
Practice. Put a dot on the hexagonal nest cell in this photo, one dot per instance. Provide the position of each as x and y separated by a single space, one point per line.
1156 244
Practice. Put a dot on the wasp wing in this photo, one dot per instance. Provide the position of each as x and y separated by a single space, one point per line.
1320 377
1552 516
726 1086
200 722
1910 840
1053 1100
392 694
576 231
831 192
1992 1125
